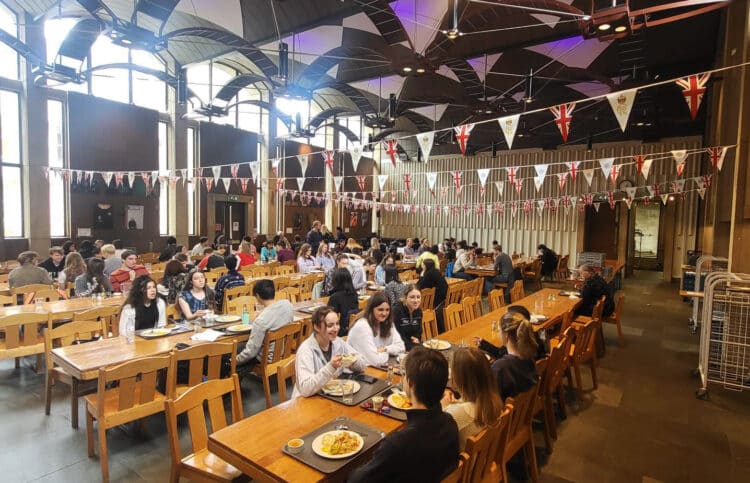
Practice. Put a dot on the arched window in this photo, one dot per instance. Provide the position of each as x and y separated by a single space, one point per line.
8 56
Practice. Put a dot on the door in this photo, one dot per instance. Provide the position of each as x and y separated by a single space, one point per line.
647 253
230 220
601 230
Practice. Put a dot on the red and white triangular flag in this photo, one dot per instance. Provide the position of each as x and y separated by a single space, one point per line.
613 174
275 166
717 157
243 184
279 183
391 149
407 182
361 182
693 87
457 177
462 136
679 160
208 182
622 104
563 116
573 167
328 160
519 185
234 169
561 177
511 174
509 125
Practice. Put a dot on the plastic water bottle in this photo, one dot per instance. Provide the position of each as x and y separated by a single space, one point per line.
245 315
130 329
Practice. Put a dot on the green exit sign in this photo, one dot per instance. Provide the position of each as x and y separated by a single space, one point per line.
233 198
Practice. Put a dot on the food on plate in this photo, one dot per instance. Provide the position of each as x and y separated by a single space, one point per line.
295 445
348 359
399 401
335 386
340 442
239 328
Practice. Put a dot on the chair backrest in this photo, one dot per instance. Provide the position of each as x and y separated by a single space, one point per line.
260 271
71 333
157 274
496 299
284 372
137 377
429 324
483 447
596 314
306 286
279 344
519 427
173 312
280 282
283 270
619 304
7 300
457 475
192 402
234 292
33 288
453 295
204 362
212 277
4 277
567 319
428 298
106 313
21 333
562 265
475 287
471 308
50 295
290 263
291 294
517 292
237 304
557 361
585 339
452 316
273 266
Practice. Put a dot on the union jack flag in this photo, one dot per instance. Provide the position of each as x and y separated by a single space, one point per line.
563 115
693 88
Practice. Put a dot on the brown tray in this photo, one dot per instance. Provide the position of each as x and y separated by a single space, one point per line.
398 414
366 391
371 436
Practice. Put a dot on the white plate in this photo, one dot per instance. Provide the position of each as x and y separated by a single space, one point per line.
239 328
440 345
317 444
158 332
228 318
333 388
396 400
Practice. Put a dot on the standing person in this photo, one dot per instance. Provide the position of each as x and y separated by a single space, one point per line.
343 298
94 280
433 278
200 247
373 336
324 258
305 261
245 254
549 260
74 266
267 252
111 261
275 315
340 236
284 254
231 279
314 237
197 298
55 263
594 286
27 273
426 449
407 316
319 357
515 372
480 405
143 305
127 273
503 269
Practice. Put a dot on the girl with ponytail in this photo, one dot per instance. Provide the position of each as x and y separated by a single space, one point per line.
516 371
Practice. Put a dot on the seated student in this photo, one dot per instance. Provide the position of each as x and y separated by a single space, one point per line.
111 261
342 261
283 253
74 266
305 261
498 352
275 314
324 258
430 254
200 247
594 286
168 251
373 336
127 272
388 261
515 372
394 289
93 281
212 259
246 253
319 357
55 263
464 260
27 273
343 298
480 403
197 298
503 269
143 305
230 279
360 273
426 449
407 316
267 252
185 261
173 282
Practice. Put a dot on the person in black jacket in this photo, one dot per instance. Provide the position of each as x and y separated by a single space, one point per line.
498 352
343 300
516 371
549 260
432 278
55 263
426 449
407 316
169 251
594 286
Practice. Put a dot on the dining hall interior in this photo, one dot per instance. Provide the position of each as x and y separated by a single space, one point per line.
370 240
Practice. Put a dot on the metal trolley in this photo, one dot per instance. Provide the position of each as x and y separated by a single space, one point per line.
724 356
705 265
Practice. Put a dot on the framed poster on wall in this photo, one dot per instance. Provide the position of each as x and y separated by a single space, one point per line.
134 217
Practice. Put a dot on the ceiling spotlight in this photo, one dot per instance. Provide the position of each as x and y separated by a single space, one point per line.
488 111
620 28
604 27
407 69
453 33
639 124
586 17
420 70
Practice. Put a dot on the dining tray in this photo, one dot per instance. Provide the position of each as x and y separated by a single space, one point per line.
366 390
371 436
398 414
310 309
178 329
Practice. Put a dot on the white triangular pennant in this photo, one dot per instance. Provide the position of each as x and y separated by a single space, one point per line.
679 160
303 160
646 167
431 178
538 182
540 205
699 182
509 125
630 190
702 192
650 190
483 174
300 183
588 174
679 185
629 202
622 103
541 170
356 153
596 206
254 171
500 185
606 165
664 198
425 141
382 178
216 170
226 182
337 181
107 175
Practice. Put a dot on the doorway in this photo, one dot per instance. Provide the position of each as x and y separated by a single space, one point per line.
230 219
601 230
647 254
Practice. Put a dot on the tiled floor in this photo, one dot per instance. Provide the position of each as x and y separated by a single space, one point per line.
643 424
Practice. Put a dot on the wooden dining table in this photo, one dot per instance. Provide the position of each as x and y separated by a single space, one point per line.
63 306
254 445
488 270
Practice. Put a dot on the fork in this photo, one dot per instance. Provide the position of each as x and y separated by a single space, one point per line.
344 427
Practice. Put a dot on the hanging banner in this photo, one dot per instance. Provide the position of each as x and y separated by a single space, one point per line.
717 157
596 206
391 149
509 125
679 160
457 176
243 183
227 182
563 116
431 178
541 170
300 183
328 160
629 202
361 182
382 178
483 175
303 160
606 166
561 177
216 170
622 104
693 87
611 199
462 136
678 185
511 174
234 169
356 153
664 198
519 184
254 171
613 174
538 182
425 141
588 174
407 182
500 185
702 193
275 166
279 184
573 167
630 190
208 182
107 177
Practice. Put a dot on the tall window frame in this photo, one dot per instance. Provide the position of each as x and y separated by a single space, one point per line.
11 165
191 164
10 61
163 129
57 158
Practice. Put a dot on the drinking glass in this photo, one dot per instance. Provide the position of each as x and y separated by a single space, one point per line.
38 304
347 392
538 306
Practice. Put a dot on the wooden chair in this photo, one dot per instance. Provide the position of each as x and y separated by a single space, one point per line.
471 308
452 316
173 312
284 372
234 292
454 293
520 434
563 271
429 324
280 283
260 271
283 270
106 313
496 299
4 277
202 465
62 336
277 346
237 305
290 263
22 337
583 351
596 313
28 291
483 448
212 277
535 273
457 475
203 363
614 317
132 398
517 292
291 294
306 286
428 298
157 275
556 368
7 300
474 288
273 266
